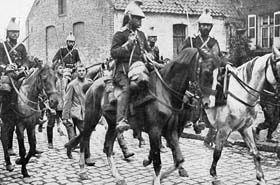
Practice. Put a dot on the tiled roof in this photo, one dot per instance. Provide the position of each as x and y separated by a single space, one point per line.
193 7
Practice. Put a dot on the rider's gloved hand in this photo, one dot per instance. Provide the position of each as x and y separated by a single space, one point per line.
11 67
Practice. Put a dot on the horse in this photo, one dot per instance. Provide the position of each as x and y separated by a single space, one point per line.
244 88
24 111
158 116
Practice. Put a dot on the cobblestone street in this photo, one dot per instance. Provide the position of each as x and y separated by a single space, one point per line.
53 167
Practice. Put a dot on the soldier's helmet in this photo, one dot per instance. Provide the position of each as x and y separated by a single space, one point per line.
13 26
205 17
70 37
133 9
152 36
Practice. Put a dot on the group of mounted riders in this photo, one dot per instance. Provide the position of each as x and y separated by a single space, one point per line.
134 58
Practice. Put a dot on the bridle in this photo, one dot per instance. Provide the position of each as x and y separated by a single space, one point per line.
179 96
29 103
264 93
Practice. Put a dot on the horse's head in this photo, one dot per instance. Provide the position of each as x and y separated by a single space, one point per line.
47 79
207 74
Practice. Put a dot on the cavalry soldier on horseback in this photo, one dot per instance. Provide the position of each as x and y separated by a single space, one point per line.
128 47
69 56
204 41
16 69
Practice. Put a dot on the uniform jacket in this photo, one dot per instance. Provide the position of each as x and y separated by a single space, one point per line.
18 56
61 88
211 44
74 100
70 60
121 54
155 52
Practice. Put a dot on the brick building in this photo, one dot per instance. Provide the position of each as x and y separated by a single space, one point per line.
95 21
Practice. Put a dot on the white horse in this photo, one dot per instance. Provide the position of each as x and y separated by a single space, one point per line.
245 85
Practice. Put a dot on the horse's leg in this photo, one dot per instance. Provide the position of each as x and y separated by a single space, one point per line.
32 143
221 138
155 137
248 136
4 140
110 138
22 152
84 149
173 142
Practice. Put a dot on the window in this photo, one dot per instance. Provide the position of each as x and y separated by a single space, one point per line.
51 43
277 24
266 31
179 35
79 33
252 26
61 7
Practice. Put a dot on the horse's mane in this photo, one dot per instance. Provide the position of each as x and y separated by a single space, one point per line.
246 69
184 57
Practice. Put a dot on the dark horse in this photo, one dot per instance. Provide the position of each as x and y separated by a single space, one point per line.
162 116
24 114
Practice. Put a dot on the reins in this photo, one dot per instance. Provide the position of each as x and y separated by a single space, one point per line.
24 99
247 87
177 94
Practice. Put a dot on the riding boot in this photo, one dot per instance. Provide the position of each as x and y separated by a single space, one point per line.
123 146
122 123
50 137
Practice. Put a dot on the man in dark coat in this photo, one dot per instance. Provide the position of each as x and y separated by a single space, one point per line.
129 43
19 64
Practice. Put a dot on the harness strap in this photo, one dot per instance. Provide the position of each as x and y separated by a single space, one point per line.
24 100
238 99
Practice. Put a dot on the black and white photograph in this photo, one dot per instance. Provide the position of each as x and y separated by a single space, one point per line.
139 92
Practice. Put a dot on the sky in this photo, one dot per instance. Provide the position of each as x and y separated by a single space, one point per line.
14 8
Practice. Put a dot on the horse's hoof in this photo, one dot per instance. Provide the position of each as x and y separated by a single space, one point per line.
216 182
262 182
19 161
208 145
146 162
25 175
90 162
10 167
121 182
83 176
183 172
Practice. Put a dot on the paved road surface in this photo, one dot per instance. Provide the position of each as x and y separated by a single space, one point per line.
53 167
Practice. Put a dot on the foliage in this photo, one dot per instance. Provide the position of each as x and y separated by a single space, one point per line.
239 50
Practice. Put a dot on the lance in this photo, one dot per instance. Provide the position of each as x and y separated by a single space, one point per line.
188 18
7 53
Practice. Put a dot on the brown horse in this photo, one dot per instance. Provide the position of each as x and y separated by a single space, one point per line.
24 112
161 116
245 86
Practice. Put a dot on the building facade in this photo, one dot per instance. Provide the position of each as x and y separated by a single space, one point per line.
94 22
263 23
